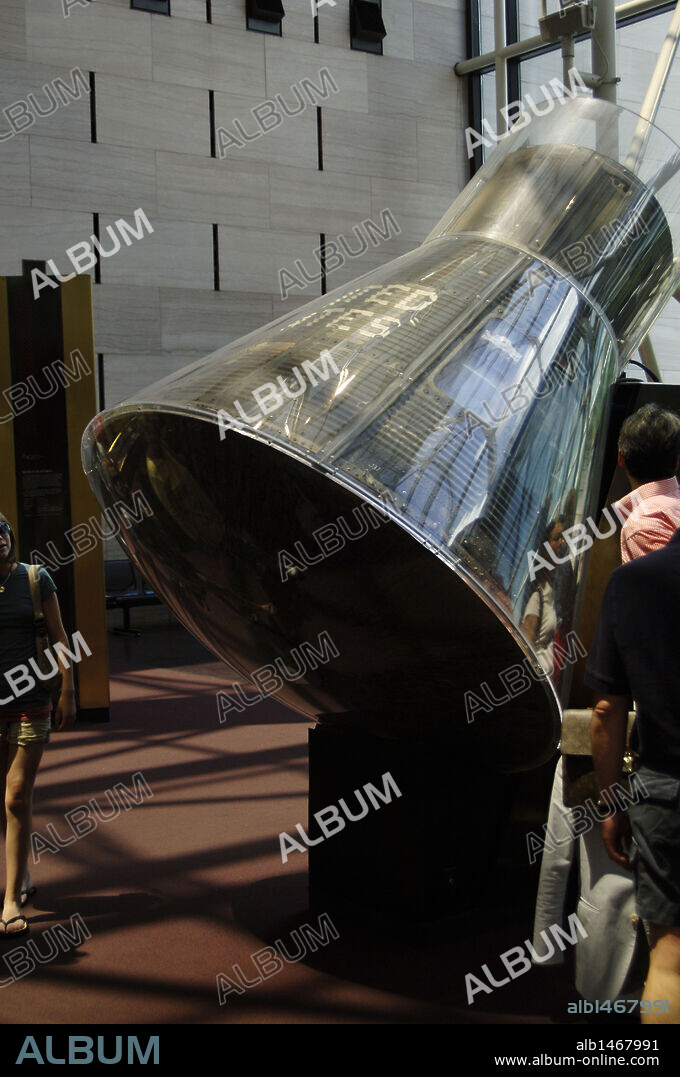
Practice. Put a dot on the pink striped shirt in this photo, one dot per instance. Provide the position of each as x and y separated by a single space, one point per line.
654 522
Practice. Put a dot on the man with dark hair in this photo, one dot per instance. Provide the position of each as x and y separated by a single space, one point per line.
649 450
634 656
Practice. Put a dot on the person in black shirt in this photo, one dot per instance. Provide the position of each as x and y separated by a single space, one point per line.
634 656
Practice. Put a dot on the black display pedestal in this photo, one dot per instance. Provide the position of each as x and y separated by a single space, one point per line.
424 854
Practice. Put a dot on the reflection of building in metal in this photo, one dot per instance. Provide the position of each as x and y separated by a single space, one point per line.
422 420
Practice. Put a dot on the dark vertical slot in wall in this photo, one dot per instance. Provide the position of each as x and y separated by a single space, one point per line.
100 381
474 81
211 106
93 108
40 432
322 261
319 139
216 258
316 29
98 263
208 10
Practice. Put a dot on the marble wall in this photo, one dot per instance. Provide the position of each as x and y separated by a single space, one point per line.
392 138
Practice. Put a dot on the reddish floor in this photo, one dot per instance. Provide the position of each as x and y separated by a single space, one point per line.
189 883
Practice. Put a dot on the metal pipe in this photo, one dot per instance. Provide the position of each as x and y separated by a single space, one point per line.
567 58
635 7
500 65
603 49
650 105
488 59
646 352
603 63
533 44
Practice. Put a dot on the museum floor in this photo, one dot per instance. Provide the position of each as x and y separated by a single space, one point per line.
189 882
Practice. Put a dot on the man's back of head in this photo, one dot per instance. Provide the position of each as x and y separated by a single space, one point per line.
649 444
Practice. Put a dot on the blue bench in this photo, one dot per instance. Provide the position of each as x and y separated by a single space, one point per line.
125 589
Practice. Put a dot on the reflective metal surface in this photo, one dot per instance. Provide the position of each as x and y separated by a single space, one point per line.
462 389
584 202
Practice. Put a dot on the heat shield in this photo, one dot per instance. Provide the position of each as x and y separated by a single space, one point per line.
345 501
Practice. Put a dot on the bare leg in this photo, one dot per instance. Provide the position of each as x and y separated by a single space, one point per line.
663 979
4 748
3 817
23 763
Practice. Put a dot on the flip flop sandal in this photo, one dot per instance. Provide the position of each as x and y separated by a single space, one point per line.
14 934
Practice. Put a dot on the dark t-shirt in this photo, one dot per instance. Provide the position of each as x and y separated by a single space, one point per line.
17 635
635 652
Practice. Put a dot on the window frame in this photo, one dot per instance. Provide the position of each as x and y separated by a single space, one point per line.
514 64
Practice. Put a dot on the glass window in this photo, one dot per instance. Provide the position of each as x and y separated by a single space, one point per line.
367 29
157 7
488 110
265 16
529 13
637 50
486 25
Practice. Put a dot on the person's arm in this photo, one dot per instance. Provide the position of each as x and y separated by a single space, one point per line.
531 619
643 540
606 673
65 714
529 627
608 730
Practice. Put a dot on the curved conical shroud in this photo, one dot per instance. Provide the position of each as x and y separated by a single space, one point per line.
460 390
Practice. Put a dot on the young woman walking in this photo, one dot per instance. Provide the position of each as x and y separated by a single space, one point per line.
24 719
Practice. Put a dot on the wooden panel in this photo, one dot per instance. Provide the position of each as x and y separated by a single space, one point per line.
8 480
88 568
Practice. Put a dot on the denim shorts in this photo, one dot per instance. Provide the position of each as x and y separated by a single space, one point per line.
26 731
655 848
